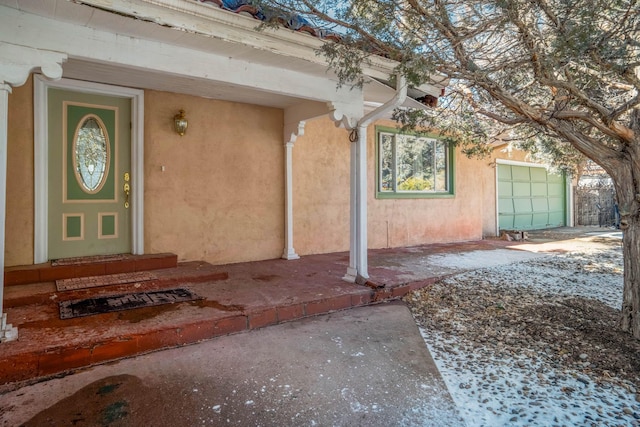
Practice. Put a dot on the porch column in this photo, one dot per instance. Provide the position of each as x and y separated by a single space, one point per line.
290 139
352 269
358 260
7 332
16 63
347 115
358 270
362 259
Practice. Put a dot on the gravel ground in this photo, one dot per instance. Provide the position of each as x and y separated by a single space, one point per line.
535 343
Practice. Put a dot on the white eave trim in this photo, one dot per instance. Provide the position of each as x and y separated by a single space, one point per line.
200 18
520 163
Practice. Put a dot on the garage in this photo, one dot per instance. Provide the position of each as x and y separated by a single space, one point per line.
530 198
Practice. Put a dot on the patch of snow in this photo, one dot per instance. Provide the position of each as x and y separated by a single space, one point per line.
508 391
479 259
525 390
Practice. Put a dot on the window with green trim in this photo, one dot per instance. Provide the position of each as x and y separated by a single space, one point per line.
413 165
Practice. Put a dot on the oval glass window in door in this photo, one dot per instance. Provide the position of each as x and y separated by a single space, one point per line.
91 154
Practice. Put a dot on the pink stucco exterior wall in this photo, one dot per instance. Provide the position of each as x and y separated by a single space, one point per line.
321 175
19 231
220 197
321 198
407 222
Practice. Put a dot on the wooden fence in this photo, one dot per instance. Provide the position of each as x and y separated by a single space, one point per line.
595 206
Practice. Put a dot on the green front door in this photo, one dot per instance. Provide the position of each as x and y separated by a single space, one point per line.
89 140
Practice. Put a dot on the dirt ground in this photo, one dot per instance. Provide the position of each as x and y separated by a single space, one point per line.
550 319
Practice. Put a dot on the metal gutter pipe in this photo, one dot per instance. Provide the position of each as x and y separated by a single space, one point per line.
397 100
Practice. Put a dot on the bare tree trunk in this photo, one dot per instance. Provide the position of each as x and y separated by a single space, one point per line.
630 320
629 201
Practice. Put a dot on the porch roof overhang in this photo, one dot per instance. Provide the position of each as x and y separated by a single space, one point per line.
377 92
187 47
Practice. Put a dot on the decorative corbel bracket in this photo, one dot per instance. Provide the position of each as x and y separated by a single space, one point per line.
292 131
17 62
345 115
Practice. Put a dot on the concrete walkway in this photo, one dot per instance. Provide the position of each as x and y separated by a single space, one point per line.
362 367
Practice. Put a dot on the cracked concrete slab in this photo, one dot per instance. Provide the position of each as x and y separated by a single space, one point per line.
367 366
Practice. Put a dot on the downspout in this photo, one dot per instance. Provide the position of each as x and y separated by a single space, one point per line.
361 260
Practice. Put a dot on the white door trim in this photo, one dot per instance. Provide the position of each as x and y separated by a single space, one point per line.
41 190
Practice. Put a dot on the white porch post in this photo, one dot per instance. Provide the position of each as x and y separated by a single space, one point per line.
16 63
7 332
362 263
352 269
346 115
358 270
290 139
359 244
289 251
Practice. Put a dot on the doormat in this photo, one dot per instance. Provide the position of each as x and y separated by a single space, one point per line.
108 304
75 283
88 259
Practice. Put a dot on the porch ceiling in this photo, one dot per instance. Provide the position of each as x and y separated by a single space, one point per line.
375 92
146 79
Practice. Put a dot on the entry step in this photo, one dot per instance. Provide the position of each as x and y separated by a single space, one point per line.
87 266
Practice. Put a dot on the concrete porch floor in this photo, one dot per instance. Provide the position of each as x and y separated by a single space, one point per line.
240 297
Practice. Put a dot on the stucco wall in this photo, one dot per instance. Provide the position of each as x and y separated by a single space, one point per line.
489 208
321 198
407 222
221 195
220 198
321 176
19 219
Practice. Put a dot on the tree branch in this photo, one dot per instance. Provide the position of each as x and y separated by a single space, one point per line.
608 158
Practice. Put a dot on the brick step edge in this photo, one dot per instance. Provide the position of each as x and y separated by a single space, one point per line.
44 297
22 275
38 365
31 365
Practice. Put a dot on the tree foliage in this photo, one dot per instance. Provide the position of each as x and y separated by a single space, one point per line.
561 77
558 75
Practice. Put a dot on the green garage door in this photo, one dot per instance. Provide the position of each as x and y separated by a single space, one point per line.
529 198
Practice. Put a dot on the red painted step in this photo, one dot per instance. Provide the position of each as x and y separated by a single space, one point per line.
87 266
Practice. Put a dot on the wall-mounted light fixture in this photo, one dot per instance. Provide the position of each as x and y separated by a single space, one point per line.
180 123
